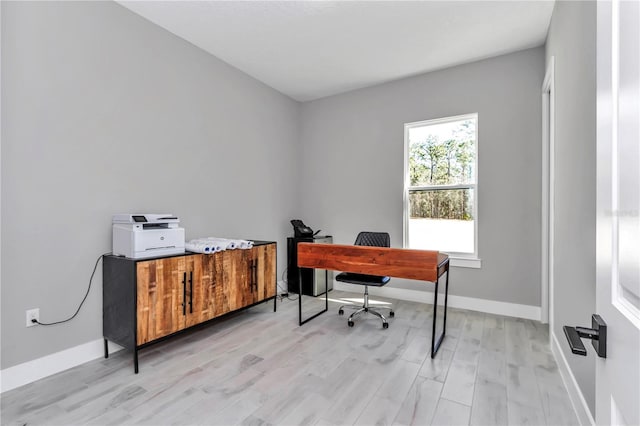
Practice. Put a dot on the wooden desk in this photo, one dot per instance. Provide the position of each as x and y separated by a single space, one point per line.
421 265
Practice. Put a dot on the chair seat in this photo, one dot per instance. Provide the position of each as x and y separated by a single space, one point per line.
362 279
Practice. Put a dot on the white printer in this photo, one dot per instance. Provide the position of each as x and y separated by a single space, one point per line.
140 236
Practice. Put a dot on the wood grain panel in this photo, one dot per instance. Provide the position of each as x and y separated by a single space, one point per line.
225 290
213 284
269 272
264 257
160 298
143 307
236 278
394 262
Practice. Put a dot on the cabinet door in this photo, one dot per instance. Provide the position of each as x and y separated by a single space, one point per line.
199 289
212 287
237 276
161 286
265 272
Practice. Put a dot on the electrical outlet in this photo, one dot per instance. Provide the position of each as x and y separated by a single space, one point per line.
33 314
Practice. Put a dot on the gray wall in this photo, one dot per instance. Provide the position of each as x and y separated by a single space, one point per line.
352 154
104 112
572 41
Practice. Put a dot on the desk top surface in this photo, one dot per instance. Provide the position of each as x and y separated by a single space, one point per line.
423 265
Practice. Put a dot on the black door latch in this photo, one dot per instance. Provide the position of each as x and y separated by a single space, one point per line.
597 333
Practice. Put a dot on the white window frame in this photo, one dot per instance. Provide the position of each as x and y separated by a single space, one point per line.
467 260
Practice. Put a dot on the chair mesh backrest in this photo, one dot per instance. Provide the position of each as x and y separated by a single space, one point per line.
374 239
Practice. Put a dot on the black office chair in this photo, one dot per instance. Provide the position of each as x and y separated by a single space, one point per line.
375 239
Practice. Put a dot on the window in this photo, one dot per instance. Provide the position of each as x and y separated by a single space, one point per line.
440 198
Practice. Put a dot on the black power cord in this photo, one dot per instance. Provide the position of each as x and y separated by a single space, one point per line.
285 293
83 299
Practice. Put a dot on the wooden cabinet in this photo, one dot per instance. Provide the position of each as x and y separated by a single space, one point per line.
146 300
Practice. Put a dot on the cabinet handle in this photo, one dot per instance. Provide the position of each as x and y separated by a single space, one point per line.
255 274
184 293
191 292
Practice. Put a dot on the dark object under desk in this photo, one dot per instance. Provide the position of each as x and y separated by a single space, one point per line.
314 282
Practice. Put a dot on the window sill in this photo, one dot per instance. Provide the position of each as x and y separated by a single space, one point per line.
465 262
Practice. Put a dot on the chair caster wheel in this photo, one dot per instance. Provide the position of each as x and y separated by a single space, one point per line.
341 312
385 325
350 323
392 314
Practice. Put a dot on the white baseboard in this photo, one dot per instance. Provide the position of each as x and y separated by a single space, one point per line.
460 302
25 373
577 398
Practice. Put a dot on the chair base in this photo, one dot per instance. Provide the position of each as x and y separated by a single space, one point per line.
365 308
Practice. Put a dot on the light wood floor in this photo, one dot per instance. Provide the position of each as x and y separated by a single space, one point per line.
258 367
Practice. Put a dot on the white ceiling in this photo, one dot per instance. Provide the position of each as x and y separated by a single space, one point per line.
312 49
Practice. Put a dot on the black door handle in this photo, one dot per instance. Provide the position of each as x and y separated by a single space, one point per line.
255 274
184 293
597 333
574 341
191 292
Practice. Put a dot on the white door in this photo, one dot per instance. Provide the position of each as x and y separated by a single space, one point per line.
618 210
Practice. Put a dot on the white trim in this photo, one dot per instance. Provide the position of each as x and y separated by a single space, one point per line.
548 193
575 395
443 187
442 120
1 170
618 299
617 418
615 172
30 371
461 262
460 302
405 193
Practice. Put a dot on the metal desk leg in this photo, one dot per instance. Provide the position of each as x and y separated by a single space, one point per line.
435 343
326 289
435 317
446 296
326 299
299 296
